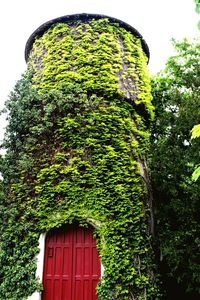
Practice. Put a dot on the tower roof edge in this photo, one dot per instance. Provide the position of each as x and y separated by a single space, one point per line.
84 17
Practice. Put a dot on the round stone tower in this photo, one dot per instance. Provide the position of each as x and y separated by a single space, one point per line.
86 106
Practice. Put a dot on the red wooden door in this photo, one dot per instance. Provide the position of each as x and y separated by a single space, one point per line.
71 265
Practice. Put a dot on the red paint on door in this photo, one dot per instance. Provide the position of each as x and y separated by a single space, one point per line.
71 265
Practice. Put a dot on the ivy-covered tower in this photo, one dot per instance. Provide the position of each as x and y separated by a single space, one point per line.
76 144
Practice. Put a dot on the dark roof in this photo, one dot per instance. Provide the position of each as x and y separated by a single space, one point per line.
84 17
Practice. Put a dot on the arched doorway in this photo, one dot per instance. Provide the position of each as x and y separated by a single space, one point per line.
71 264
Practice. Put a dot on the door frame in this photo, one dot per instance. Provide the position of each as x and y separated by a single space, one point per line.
40 265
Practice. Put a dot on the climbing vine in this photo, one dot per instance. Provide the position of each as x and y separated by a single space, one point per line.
96 56
75 141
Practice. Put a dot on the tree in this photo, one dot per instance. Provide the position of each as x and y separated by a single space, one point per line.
196 134
197 3
173 158
197 6
196 128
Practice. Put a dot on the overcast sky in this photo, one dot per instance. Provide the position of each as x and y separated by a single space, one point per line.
157 20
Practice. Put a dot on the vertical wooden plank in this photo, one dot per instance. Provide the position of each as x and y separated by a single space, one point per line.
86 261
94 292
67 264
48 294
57 261
56 289
77 282
66 290
96 268
86 290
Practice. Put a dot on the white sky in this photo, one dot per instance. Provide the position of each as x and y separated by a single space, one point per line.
157 20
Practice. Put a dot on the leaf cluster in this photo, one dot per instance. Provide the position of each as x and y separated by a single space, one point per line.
173 157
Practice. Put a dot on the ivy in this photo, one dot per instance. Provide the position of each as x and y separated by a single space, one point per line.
98 56
75 144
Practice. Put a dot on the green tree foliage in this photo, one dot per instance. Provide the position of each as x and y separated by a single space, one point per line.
197 3
196 131
196 134
197 6
174 155
196 128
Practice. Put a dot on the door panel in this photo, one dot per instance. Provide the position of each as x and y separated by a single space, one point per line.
71 264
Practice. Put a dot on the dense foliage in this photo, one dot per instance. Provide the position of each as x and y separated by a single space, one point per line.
76 142
176 93
197 3
196 134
